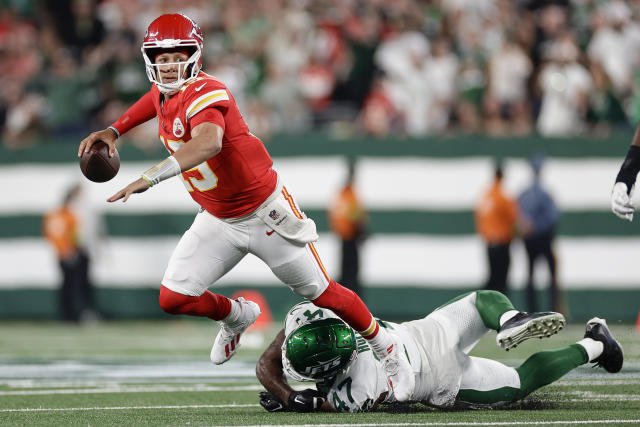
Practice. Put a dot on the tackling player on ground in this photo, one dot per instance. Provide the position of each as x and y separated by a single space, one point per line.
316 346
245 208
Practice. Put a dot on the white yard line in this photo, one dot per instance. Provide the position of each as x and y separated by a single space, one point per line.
462 423
126 408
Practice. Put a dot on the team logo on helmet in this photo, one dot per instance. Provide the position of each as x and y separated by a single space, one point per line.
319 350
178 128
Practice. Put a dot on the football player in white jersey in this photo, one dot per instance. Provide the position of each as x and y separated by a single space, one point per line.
317 346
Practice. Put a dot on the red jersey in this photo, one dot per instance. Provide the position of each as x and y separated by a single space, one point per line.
239 178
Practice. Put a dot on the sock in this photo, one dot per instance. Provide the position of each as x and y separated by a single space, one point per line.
378 338
210 305
350 308
491 306
547 366
507 316
593 348
234 312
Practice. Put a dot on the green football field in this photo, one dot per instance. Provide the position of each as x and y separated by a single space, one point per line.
158 373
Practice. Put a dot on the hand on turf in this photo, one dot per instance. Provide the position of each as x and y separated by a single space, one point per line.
307 400
621 201
106 135
271 403
137 186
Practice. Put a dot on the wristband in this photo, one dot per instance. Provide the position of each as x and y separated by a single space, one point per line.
630 167
115 130
167 168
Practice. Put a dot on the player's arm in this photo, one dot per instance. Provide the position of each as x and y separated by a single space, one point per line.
206 142
279 395
269 369
143 110
625 180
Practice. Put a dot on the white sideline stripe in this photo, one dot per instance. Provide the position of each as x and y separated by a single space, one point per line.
462 423
124 408
125 389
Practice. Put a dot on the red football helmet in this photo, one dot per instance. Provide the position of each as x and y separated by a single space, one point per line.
171 31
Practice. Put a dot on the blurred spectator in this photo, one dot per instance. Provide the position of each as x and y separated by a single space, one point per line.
420 68
509 72
62 228
496 216
349 220
539 216
615 46
565 86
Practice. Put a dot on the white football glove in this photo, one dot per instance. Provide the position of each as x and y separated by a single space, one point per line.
621 201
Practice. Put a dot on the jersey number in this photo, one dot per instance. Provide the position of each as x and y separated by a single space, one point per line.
207 181
338 404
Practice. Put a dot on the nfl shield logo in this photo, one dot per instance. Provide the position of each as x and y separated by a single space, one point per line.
178 128
274 215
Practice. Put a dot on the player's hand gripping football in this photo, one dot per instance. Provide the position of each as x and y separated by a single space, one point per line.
621 201
106 135
137 186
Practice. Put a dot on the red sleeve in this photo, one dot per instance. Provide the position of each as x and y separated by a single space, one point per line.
143 110
212 115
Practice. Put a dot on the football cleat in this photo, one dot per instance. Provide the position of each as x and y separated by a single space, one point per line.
227 341
399 373
525 325
612 357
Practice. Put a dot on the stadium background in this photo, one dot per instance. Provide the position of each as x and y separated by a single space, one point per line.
409 88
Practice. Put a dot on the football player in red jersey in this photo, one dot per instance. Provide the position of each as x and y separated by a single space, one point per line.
229 173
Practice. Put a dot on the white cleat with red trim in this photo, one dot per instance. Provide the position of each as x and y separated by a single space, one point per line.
227 341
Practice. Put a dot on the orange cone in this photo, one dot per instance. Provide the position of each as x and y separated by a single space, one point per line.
265 320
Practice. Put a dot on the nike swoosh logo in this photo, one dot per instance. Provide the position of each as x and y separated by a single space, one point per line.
299 400
269 233
198 88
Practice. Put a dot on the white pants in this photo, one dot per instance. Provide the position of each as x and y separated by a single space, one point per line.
446 336
213 246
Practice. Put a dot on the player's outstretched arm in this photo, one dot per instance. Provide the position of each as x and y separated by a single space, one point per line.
143 110
271 375
269 369
625 180
138 186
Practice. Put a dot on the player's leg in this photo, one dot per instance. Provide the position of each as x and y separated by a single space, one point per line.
486 381
301 269
208 250
529 246
472 315
513 326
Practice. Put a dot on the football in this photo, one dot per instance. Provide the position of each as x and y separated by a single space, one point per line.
97 166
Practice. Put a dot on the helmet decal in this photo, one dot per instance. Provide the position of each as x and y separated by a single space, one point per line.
319 350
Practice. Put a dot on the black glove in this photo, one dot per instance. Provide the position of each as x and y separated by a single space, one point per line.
271 403
308 400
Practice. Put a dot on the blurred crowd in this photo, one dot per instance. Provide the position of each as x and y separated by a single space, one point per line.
367 67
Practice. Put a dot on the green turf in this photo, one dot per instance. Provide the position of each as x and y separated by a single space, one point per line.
157 373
